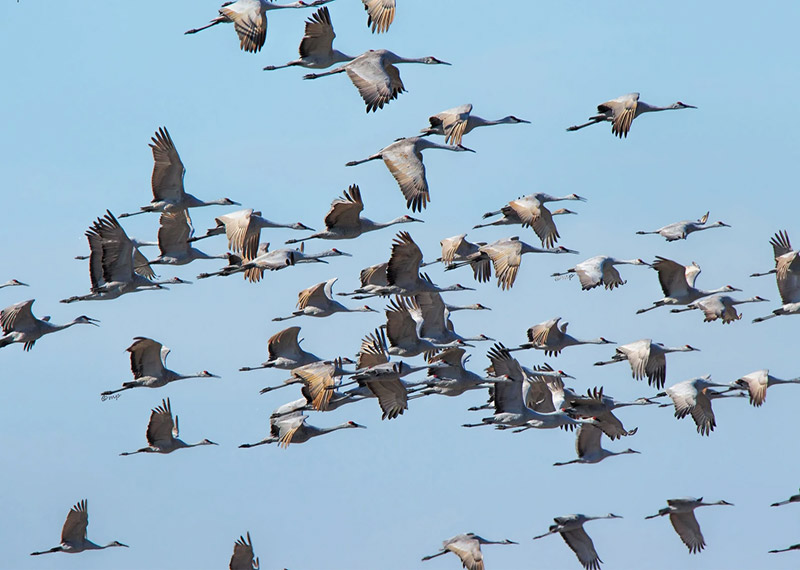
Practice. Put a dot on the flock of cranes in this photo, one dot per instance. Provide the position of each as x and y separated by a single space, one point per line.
417 319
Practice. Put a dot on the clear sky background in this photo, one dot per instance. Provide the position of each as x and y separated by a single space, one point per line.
85 87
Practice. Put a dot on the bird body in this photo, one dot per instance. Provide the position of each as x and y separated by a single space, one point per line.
148 364
599 270
19 325
647 359
174 235
448 376
403 158
787 276
722 307
284 352
681 515
552 339
73 534
375 76
681 230
531 211
589 448
677 283
622 111
318 301
692 397
292 428
756 384
456 122
162 432
316 47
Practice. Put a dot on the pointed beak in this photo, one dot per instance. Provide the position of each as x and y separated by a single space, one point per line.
304 227
689 106
93 321
462 147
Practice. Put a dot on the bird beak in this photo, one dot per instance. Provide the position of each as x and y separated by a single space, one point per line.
688 106
723 224
305 227
568 376
462 147
93 321
212 443
580 198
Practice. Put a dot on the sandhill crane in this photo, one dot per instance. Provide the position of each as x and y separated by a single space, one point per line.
597 405
375 76
19 325
691 397
719 307
380 14
167 180
677 283
320 380
403 335
343 220
570 527
681 515
600 270
249 18
647 358
506 256
457 248
243 557
243 230
531 211
792 499
681 230
468 549
162 432
73 534
552 339
756 383
448 376
510 409
174 233
622 111
115 265
13 283
284 352
456 122
292 428
787 275
318 301
589 448
403 158
433 319
316 47
148 364
792 547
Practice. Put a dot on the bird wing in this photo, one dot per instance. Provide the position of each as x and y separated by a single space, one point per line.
116 250
780 244
610 425
160 430
685 524
672 276
546 333
242 233
18 317
655 366
146 357
380 14
401 328
242 558
454 123
289 426
451 247
374 275
344 212
451 356
469 551
757 384
587 441
623 110
140 264
405 164
403 267
787 275
684 397
583 547
639 356
168 170
432 309
174 231
372 351
319 381
506 258
392 396
313 296
318 37
539 397
611 276
377 80
703 415
74 529
590 273
250 25
507 395
284 343
533 213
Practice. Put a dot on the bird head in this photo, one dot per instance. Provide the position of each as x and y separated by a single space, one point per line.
562 249
681 105
355 425
576 197
178 281
730 288
430 60
207 374
208 442
301 226
229 202
407 219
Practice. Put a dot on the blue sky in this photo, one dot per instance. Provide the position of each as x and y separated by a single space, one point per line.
85 90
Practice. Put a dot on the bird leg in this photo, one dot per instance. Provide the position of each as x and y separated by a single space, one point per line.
592 121
324 73
214 22
357 162
293 315
434 555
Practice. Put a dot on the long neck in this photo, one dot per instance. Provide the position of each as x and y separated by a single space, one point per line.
334 428
337 57
368 225
713 291
750 300
642 107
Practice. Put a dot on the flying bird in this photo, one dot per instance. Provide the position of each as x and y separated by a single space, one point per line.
403 158
600 270
622 111
589 448
787 276
681 515
73 534
792 499
284 352
756 384
243 557
318 301
375 76
316 47
457 122
552 338
647 359
162 432
292 428
468 549
249 18
167 180
19 325
692 397
677 283
570 527
681 230
148 364
722 307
